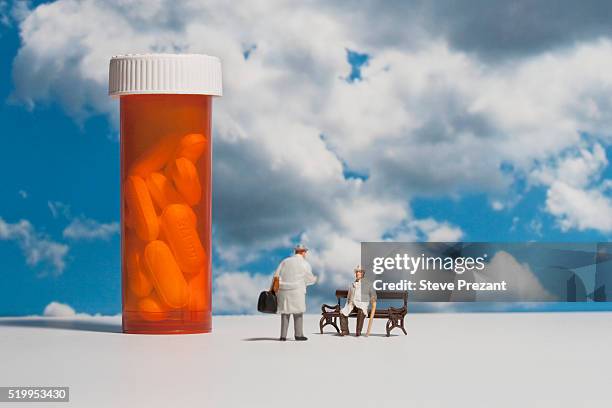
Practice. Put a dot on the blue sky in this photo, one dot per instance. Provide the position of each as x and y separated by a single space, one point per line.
59 204
51 158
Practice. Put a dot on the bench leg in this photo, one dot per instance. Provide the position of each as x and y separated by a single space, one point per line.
332 321
393 322
335 324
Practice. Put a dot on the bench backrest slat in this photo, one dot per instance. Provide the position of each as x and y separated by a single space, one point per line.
381 294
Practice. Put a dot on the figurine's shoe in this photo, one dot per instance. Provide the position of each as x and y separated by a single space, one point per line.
301 338
283 339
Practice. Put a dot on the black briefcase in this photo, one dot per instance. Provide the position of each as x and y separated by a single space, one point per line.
267 302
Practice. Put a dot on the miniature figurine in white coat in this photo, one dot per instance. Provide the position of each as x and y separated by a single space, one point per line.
360 295
295 273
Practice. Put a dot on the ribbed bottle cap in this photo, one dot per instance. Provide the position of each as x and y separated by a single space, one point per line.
164 74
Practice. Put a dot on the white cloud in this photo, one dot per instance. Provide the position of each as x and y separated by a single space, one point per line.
427 229
237 292
82 227
521 282
438 231
577 194
89 229
580 208
21 9
56 309
36 246
333 258
496 31
58 209
13 12
576 167
497 205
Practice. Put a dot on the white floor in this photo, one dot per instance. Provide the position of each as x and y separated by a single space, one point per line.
457 360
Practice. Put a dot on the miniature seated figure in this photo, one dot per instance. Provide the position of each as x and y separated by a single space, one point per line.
356 301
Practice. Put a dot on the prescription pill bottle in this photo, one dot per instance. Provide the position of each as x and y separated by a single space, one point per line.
165 109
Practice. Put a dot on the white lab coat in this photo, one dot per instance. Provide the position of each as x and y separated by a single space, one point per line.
353 299
294 273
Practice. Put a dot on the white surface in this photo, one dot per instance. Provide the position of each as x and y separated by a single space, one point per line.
459 360
165 74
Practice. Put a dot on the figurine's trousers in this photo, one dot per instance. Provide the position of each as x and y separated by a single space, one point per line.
344 322
298 324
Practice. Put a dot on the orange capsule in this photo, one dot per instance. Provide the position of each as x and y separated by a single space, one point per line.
192 218
152 308
167 277
191 146
127 219
162 191
197 293
155 157
179 230
130 302
141 209
185 178
137 279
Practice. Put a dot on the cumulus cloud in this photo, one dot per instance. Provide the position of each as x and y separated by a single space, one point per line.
490 29
443 121
522 283
451 101
13 12
89 229
518 28
57 309
435 231
578 196
576 167
580 208
35 246
237 292
82 227
5 19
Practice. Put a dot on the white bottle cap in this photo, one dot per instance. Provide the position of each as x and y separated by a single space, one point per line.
164 74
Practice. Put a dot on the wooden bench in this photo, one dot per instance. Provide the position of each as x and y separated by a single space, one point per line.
394 315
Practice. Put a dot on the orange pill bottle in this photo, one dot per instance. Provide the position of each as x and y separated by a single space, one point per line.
166 161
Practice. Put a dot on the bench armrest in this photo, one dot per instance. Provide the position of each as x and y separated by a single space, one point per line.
397 310
327 308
